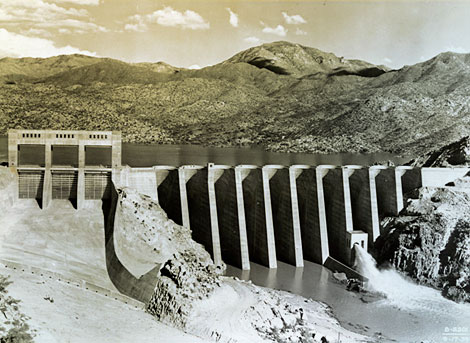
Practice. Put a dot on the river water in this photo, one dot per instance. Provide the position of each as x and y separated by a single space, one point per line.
406 313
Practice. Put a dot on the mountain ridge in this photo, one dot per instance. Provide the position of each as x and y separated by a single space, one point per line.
277 95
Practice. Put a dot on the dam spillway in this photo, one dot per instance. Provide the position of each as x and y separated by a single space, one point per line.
242 213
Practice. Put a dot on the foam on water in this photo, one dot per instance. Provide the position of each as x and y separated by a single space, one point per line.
401 292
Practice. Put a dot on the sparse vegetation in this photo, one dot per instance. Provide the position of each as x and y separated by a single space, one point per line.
13 324
318 103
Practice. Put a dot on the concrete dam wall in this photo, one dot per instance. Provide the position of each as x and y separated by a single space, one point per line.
265 214
240 214
246 213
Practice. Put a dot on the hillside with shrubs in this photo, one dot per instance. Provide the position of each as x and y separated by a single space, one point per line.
282 96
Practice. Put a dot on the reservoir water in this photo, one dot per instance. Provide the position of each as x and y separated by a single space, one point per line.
140 155
406 312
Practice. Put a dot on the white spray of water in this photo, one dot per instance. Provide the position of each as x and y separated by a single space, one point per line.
401 292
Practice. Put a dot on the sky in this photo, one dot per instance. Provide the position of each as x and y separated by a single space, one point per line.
198 33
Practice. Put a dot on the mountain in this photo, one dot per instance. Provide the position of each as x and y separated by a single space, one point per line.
283 96
71 69
39 67
285 58
107 71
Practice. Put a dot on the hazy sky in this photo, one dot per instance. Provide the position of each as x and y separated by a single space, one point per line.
203 32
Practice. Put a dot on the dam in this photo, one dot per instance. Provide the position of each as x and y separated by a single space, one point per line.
242 213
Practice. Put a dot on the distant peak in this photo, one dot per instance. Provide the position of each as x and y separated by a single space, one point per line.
287 58
449 57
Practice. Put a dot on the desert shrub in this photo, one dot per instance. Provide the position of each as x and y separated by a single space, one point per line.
13 324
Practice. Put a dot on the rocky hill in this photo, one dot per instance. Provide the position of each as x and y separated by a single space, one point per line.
456 154
30 68
283 96
107 71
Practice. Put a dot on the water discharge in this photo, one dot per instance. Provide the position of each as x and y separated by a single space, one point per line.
400 292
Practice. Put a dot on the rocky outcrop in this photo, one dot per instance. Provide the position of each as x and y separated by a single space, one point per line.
188 276
191 293
454 154
430 240
144 237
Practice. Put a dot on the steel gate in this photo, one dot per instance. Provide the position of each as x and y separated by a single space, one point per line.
64 184
30 184
97 185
